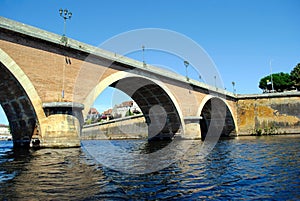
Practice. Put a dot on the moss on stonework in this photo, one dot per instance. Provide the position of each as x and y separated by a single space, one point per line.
267 130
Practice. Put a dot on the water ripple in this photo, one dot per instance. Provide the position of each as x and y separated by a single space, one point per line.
265 168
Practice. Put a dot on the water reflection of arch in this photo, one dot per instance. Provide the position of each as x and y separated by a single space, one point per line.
216 109
19 100
49 174
146 92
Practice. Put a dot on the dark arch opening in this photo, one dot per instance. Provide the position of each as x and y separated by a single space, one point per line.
17 107
159 111
217 117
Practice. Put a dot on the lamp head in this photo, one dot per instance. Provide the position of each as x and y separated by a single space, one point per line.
186 63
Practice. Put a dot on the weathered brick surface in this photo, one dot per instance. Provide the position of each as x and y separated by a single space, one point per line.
281 113
50 74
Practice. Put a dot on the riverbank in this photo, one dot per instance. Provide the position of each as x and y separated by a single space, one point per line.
135 127
132 127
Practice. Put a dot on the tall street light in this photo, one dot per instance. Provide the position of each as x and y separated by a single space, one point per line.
143 51
65 14
186 63
271 76
233 84
215 77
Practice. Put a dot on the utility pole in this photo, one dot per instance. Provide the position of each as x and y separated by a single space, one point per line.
271 76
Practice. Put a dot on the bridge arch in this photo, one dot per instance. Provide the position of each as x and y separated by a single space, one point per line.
19 100
217 115
146 92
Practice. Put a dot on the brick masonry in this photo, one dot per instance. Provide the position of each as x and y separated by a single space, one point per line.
44 67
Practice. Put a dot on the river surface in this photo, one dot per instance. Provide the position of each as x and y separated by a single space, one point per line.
247 168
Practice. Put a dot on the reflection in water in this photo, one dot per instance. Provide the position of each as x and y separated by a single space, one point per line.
137 157
264 168
50 174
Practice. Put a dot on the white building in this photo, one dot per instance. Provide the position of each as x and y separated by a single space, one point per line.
122 109
4 132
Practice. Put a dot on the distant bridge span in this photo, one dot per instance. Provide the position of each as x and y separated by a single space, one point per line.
47 87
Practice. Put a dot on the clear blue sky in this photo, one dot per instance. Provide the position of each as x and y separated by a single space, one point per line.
241 36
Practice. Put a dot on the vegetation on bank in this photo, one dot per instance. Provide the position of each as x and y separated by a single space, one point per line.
268 130
281 81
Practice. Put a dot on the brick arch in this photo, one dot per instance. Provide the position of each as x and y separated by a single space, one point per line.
147 93
216 110
20 101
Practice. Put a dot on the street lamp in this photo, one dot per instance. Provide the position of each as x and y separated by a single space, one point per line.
65 14
215 77
186 63
143 51
233 84
271 76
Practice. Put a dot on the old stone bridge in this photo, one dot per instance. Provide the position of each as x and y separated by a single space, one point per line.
48 84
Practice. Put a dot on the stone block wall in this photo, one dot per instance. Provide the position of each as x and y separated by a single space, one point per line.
133 127
269 114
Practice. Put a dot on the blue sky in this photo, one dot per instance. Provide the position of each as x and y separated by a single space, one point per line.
241 36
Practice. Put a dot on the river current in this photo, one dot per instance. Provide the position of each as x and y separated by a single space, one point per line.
247 168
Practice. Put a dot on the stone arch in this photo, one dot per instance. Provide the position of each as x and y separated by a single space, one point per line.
146 92
19 100
216 114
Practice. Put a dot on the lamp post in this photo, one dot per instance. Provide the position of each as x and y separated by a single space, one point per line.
271 76
186 63
143 51
65 14
233 84
215 77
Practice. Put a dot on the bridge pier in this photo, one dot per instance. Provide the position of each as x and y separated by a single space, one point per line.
62 127
192 127
61 130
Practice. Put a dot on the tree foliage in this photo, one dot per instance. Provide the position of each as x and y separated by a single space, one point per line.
128 113
281 81
295 76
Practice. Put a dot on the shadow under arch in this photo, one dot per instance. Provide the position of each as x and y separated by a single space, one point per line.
160 108
216 115
19 100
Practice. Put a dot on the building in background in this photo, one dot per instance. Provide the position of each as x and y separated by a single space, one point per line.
4 132
127 108
92 116
124 109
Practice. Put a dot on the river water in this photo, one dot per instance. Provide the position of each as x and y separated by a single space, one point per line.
248 168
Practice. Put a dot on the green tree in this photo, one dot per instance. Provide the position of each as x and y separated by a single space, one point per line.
263 83
128 113
88 121
281 81
295 76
